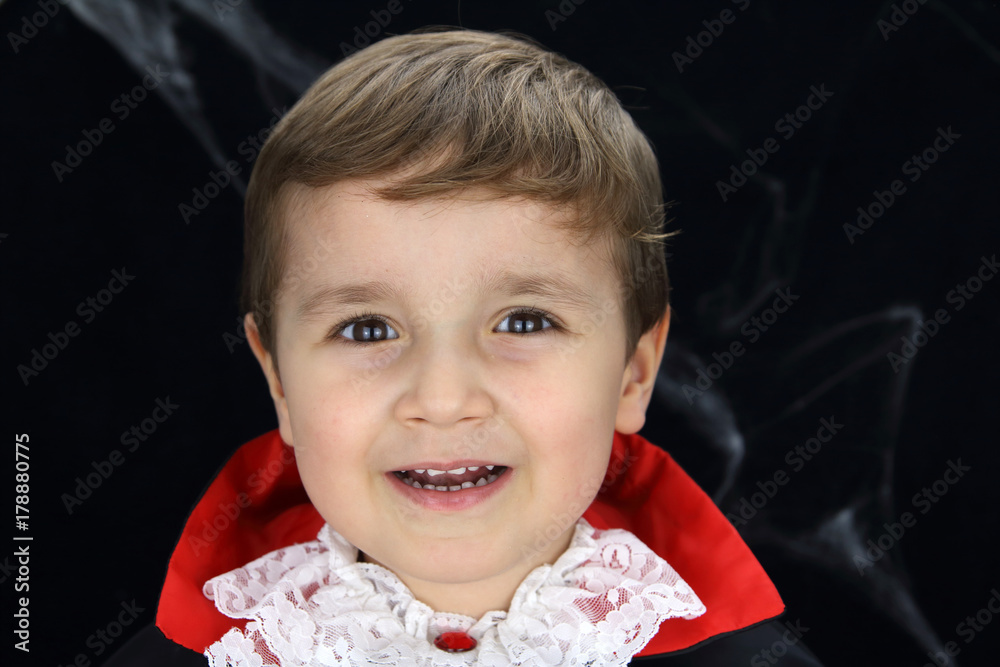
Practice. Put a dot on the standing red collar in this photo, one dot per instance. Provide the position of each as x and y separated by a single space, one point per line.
257 504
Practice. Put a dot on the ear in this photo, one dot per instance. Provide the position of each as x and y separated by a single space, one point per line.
266 362
640 376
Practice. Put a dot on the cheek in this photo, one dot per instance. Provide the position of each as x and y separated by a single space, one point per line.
326 406
329 438
571 482
572 426
574 396
572 437
335 475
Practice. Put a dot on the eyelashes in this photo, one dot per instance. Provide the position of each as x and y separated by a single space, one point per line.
361 318
529 312
377 328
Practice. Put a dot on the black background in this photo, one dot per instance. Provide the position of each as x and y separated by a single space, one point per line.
163 335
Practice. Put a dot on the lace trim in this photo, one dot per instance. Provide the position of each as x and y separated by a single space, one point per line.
313 604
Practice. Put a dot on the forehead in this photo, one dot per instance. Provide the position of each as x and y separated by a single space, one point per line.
345 228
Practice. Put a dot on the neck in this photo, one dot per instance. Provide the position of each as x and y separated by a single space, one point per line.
476 598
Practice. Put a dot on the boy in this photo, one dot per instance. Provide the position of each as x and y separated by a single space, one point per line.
454 284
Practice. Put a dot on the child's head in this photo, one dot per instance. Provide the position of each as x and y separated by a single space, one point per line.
454 250
461 108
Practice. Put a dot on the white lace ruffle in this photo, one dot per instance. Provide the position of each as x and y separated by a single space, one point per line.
313 604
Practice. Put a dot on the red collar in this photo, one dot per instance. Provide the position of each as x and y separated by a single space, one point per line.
257 504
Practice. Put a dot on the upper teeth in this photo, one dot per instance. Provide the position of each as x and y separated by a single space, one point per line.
455 471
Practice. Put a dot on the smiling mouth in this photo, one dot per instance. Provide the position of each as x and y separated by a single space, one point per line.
451 480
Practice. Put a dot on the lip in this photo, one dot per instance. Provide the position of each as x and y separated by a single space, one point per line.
449 501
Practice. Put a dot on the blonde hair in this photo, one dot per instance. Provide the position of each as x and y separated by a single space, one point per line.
451 110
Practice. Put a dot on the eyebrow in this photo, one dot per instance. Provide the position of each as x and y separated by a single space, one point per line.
553 288
318 303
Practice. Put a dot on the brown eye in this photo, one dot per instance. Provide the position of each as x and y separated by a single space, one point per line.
368 330
524 322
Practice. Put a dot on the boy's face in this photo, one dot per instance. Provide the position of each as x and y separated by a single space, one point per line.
481 337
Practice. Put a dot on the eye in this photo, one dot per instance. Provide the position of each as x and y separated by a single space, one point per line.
367 329
525 321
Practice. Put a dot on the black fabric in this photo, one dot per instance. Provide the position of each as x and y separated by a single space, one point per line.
771 643
149 648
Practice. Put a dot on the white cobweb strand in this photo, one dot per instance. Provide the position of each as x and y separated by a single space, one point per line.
313 604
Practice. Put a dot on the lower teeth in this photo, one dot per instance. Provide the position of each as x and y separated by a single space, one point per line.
483 481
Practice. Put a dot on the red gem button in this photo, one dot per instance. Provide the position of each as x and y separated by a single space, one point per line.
455 642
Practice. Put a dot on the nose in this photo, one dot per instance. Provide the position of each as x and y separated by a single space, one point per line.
444 382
